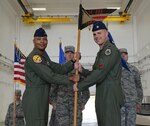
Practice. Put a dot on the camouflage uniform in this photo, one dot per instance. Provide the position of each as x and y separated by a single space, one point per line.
19 115
132 88
63 97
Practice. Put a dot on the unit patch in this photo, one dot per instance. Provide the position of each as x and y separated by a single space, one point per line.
37 59
107 52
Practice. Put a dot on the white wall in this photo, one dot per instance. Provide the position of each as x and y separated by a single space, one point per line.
7 35
142 25
68 35
122 34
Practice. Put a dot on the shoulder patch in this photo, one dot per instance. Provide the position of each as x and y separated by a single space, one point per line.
107 52
37 59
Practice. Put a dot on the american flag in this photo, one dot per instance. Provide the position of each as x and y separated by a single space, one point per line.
19 60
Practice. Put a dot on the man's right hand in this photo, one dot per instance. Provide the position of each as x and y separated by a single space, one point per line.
78 66
75 89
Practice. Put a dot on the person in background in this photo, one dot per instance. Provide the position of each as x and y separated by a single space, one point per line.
132 88
40 73
106 74
62 99
19 116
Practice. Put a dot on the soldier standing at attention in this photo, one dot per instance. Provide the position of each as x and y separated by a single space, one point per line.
62 99
19 119
40 73
106 74
132 88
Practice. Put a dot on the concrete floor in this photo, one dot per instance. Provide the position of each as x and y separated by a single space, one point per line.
89 116
141 121
89 124
85 124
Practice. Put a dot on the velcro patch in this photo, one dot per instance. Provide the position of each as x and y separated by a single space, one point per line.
107 52
37 59
100 65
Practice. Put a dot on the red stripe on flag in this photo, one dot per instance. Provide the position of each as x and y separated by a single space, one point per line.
19 73
99 17
19 67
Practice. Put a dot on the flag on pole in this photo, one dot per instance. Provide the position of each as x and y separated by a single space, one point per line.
84 18
100 14
100 11
19 61
62 58
88 17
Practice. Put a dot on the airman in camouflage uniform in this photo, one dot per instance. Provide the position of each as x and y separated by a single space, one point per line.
19 120
62 99
132 88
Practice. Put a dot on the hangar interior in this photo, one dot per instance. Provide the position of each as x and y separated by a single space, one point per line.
128 24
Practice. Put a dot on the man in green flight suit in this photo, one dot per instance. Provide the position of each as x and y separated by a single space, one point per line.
106 74
40 73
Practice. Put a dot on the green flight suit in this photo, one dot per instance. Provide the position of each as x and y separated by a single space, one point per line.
40 73
106 74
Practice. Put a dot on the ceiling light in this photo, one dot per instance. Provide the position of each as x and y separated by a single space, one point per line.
118 8
39 9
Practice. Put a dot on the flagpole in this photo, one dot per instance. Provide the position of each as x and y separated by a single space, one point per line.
76 72
14 105
81 25
76 93
14 110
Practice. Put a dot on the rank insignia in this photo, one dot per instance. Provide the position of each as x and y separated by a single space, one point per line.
107 52
48 63
37 59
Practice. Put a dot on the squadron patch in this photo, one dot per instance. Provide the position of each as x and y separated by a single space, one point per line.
107 52
37 59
